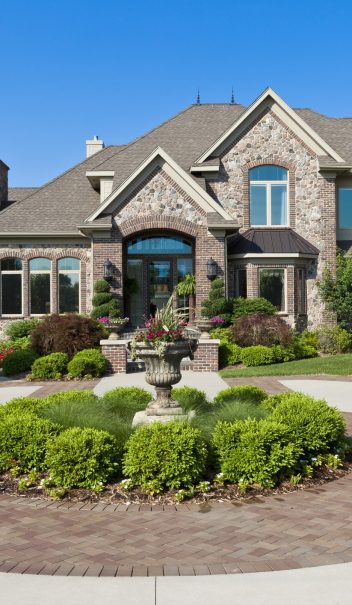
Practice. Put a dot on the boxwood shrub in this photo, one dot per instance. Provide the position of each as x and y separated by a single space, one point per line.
51 366
18 361
258 356
246 393
255 451
90 363
23 440
229 352
165 456
82 458
248 306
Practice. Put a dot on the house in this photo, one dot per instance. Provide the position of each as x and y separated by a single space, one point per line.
259 195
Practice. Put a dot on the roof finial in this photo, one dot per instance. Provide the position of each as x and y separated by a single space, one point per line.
232 98
198 98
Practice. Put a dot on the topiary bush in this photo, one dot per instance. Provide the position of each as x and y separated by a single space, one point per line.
89 363
165 456
245 393
312 423
21 328
258 356
251 306
333 339
229 352
82 458
260 329
104 302
18 362
51 366
23 440
217 304
190 398
255 451
66 334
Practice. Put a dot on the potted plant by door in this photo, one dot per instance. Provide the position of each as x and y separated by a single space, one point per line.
162 344
187 287
114 324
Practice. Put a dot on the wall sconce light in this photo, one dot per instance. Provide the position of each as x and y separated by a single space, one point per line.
108 270
211 268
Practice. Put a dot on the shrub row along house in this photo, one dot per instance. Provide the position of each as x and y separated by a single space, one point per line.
259 196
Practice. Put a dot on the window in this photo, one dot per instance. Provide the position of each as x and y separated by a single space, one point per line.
301 292
11 286
272 287
159 245
345 209
268 196
241 283
69 272
39 270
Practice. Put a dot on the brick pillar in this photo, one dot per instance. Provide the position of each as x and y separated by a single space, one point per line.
206 357
290 291
115 352
207 245
26 287
328 223
252 281
109 248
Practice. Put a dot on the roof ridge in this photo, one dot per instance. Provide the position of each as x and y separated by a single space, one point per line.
52 180
150 132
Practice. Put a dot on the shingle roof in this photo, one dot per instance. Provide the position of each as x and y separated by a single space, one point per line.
62 204
270 241
17 194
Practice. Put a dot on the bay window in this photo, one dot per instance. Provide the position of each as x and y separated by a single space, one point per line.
268 192
272 287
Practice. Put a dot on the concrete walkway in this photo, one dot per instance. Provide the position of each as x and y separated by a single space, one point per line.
7 393
336 393
315 586
210 382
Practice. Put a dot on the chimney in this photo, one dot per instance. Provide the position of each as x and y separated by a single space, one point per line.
3 183
93 146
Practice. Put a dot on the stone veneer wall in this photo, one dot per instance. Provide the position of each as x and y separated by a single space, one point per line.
312 197
28 251
160 204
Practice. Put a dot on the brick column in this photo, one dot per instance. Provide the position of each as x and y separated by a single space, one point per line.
109 248
207 245
206 357
328 222
252 281
115 352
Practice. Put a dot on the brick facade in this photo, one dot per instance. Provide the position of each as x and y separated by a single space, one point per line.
206 357
115 351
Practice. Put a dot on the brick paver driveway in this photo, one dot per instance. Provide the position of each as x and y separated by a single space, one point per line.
304 528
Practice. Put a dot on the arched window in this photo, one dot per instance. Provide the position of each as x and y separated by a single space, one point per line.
39 270
268 196
69 274
11 286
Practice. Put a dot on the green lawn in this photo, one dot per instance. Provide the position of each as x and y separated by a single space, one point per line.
336 364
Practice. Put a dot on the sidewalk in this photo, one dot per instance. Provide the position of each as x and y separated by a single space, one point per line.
314 586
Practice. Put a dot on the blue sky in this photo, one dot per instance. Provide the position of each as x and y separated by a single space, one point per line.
72 68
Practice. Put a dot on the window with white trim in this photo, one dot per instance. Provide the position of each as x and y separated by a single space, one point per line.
268 193
11 286
69 284
39 279
272 286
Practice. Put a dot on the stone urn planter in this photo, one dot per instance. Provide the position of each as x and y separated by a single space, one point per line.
116 329
204 325
163 369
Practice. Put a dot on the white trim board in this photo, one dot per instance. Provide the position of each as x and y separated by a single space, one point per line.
159 158
269 98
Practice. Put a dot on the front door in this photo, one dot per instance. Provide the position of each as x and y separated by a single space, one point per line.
159 284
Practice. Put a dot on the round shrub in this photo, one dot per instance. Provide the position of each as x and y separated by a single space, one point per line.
165 456
73 396
101 285
22 405
190 398
21 328
257 356
311 422
51 366
255 451
66 334
260 329
229 352
23 440
126 401
18 361
246 393
333 339
251 306
82 458
89 362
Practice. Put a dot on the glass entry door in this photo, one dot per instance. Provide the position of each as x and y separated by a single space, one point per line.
159 284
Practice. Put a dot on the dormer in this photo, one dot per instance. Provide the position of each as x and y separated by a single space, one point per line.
102 181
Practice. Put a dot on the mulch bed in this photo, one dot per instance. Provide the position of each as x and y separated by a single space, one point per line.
115 494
